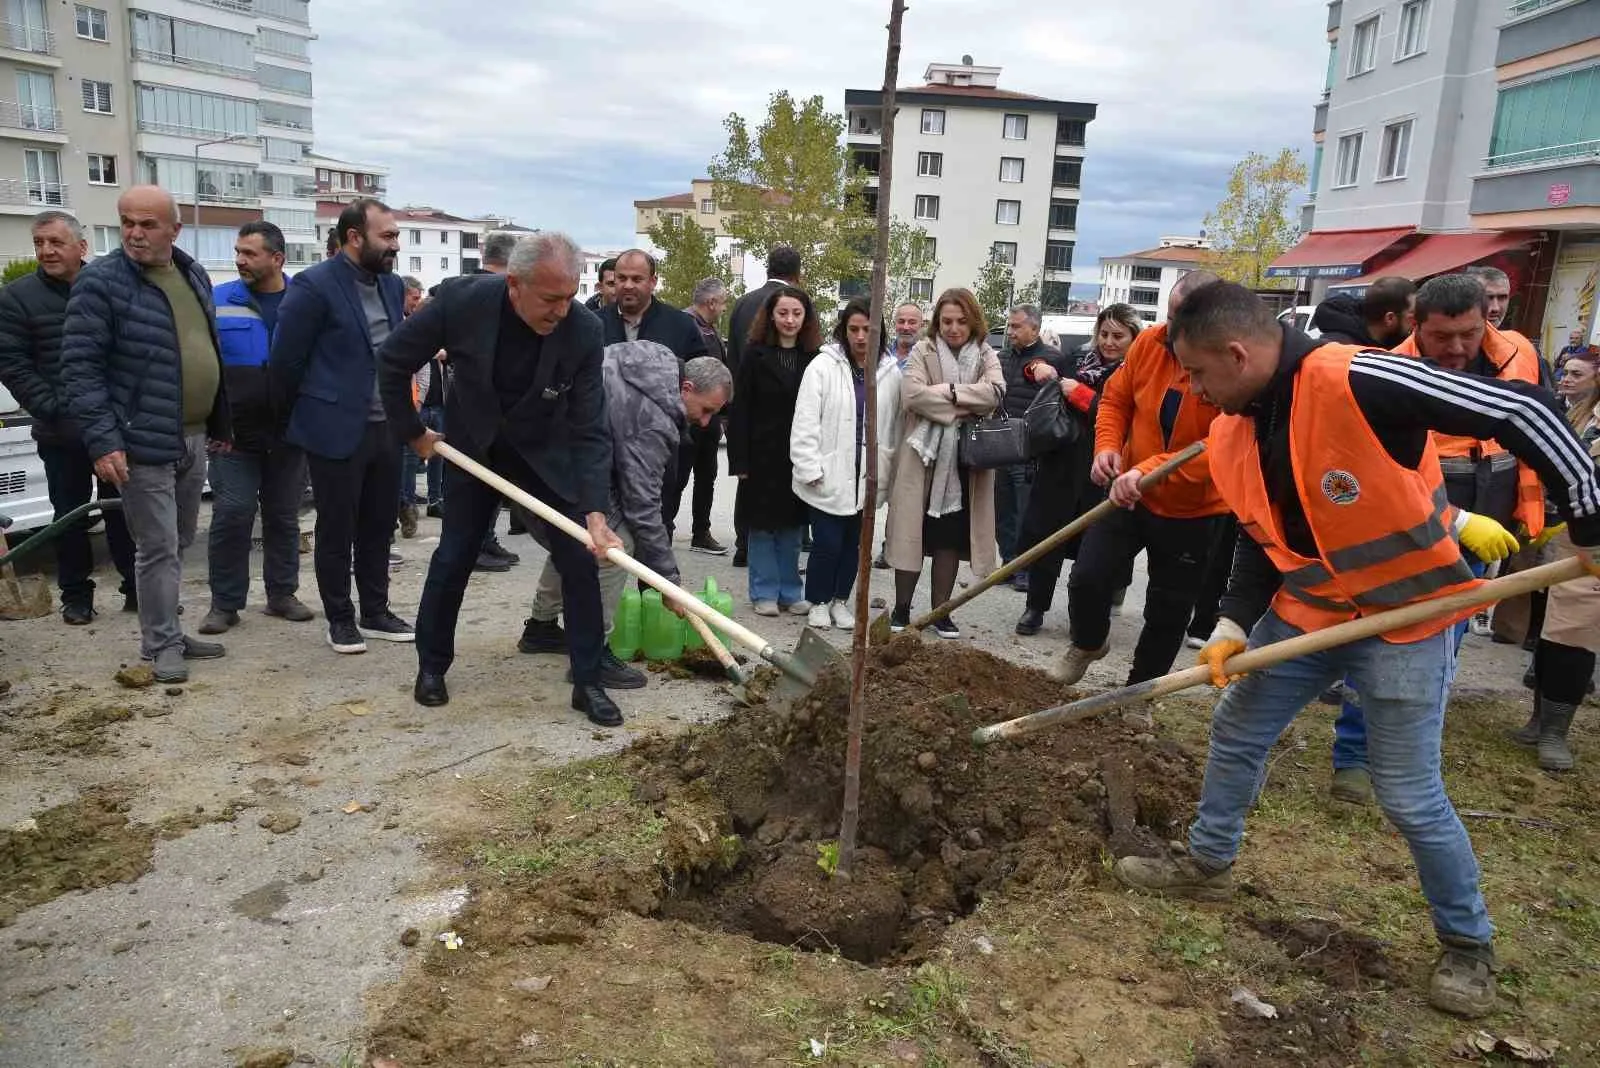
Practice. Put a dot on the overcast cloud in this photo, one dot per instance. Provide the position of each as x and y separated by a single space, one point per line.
563 114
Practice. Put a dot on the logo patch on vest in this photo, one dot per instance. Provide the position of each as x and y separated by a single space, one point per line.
1341 487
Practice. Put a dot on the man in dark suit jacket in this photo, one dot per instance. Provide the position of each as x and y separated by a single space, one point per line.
527 400
324 372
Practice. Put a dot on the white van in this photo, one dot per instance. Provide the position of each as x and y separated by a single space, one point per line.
24 495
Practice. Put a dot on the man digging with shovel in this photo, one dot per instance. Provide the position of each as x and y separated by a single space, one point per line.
1324 455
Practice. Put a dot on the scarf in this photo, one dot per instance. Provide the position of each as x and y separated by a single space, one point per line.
935 443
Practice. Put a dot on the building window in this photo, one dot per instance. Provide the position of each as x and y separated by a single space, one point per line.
1347 165
444 263
1003 252
444 237
1071 131
290 218
1146 274
1413 36
91 22
36 101
1008 212
932 121
930 164
185 113
1058 255
220 183
1015 128
924 249
283 80
1364 46
42 169
1068 173
106 238
276 113
1394 154
416 264
97 97
469 240
279 43
1054 296
102 169
708 206
416 237
1010 169
322 175
926 208
162 39
1063 215
1548 119
922 289
1147 297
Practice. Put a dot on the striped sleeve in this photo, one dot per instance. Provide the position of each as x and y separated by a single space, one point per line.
1397 392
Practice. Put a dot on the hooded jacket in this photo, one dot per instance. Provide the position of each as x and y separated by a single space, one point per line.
644 405
822 440
1339 319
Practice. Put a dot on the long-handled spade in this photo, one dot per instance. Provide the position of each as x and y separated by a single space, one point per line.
801 666
1300 645
738 677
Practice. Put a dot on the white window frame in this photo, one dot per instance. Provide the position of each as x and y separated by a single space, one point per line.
444 263
1354 70
89 85
85 12
416 239
921 289
999 213
930 164
1003 252
1017 122
928 200
1401 128
1354 169
113 236
1021 168
932 113
102 159
708 206
1423 10
416 264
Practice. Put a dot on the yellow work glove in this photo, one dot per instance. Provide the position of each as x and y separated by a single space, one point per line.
1484 538
1227 639
1546 534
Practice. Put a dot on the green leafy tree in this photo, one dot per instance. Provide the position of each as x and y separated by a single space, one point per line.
18 269
1028 292
993 289
686 255
790 181
1251 227
911 255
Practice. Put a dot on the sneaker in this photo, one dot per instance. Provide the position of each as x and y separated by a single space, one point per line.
168 665
77 614
1178 876
766 608
492 547
1463 978
219 621
614 674
490 562
946 628
195 649
288 606
408 520
818 618
387 627
1074 662
542 636
343 637
1192 642
880 562
798 608
434 511
899 619
705 543
842 616
1480 625
1353 786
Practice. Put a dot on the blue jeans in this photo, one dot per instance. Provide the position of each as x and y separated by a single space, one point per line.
411 463
774 557
835 549
1013 485
1403 689
1350 730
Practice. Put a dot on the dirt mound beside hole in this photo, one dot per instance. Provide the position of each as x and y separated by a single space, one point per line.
1311 1033
85 843
1345 959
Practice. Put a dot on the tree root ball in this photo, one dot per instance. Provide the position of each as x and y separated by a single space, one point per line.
797 903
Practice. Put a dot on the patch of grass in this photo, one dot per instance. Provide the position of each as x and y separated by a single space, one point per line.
779 961
1194 938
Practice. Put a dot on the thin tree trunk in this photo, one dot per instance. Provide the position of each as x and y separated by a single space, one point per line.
869 509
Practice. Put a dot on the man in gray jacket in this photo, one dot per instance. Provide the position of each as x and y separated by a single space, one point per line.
649 405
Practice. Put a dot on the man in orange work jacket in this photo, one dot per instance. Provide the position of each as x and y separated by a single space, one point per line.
1146 412
1324 453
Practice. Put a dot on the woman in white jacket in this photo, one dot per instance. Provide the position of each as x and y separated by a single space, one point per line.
827 447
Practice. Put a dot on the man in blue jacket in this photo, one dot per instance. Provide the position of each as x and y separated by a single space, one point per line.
260 467
324 372
144 384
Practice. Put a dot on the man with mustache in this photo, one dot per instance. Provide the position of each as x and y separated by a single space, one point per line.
325 373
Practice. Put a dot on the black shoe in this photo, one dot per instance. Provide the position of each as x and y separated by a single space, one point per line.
705 543
434 511
514 526
387 627
539 636
899 619
130 602
881 563
489 562
492 547
740 558
594 702
615 675
945 628
76 614
1030 622
1019 582
1529 681
195 649
430 690
343 637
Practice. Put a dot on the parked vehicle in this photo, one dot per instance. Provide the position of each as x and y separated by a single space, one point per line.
1300 318
24 494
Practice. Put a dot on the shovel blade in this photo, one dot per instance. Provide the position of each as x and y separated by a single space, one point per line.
812 652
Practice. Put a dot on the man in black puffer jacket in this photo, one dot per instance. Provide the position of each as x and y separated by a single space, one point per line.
32 310
140 363
1012 484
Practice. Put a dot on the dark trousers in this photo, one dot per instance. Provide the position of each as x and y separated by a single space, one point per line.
69 474
239 482
356 510
473 506
835 552
702 454
1218 567
410 463
1175 555
1011 488
741 524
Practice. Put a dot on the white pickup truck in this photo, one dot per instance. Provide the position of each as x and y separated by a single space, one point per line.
24 495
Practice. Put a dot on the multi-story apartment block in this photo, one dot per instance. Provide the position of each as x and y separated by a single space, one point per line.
343 181
1145 279
699 205
988 173
434 245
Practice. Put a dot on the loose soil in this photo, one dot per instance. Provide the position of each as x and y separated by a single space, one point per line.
84 843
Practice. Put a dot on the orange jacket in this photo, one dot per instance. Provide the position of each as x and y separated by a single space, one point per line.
1515 360
1130 422
1384 532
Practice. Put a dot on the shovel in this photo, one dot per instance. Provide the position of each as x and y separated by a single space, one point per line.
1300 645
1066 533
738 677
801 666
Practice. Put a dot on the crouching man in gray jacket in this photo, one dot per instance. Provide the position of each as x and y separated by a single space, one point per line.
650 404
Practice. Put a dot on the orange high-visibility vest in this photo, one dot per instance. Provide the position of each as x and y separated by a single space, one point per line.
1514 360
1383 532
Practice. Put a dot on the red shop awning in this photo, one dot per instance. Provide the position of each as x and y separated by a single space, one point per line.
1439 253
1334 253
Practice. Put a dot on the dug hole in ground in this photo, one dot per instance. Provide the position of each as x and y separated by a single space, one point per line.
258 868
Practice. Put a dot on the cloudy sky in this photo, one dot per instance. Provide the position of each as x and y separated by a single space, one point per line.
562 114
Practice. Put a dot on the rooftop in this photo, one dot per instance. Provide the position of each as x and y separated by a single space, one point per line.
330 209
316 159
1170 254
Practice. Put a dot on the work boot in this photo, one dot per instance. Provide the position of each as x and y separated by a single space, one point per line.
1019 582
1075 661
288 606
1353 786
1528 733
219 621
487 561
408 520
614 674
542 636
1181 876
492 547
1463 978
595 703
1555 719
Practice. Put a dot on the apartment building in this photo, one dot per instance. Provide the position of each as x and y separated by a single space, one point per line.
342 181
699 204
988 173
434 245
1145 279
211 99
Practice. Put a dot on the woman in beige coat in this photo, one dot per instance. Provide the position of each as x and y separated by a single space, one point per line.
936 507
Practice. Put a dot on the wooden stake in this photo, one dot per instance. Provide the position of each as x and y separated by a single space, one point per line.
869 509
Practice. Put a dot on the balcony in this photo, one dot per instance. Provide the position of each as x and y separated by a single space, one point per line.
242 7
30 117
1539 179
24 193
296 11
1319 118
177 129
1541 26
22 38
1529 7
865 126
172 60
1581 150
1335 12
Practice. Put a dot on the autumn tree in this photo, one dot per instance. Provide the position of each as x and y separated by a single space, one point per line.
1251 227
993 289
790 181
911 255
686 254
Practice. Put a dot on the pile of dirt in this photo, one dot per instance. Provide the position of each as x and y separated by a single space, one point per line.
85 843
942 822
1312 1033
1344 959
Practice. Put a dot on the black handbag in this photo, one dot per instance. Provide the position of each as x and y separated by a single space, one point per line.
993 441
1051 422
